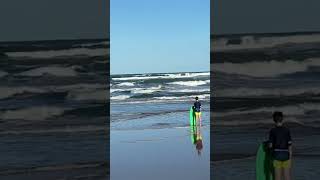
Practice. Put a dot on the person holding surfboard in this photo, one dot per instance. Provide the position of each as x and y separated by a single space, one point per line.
197 110
280 144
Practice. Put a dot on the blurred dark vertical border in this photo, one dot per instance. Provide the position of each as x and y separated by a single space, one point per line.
108 93
263 60
54 92
211 91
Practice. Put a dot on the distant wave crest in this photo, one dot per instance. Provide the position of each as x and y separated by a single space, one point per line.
250 92
252 42
33 113
52 70
164 76
266 68
60 53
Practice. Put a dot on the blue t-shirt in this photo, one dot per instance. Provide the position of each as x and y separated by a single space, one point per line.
280 138
197 106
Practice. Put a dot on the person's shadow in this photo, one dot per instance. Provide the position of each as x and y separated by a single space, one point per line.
196 138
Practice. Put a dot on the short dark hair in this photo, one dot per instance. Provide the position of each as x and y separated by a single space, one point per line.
197 98
277 116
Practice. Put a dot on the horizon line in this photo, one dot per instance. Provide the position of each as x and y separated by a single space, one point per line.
162 72
43 40
265 33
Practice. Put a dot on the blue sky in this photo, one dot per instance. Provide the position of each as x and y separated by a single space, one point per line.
159 36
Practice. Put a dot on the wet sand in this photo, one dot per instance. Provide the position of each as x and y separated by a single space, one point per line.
158 154
80 171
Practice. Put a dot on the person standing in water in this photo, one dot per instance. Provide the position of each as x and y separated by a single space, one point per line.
197 110
280 144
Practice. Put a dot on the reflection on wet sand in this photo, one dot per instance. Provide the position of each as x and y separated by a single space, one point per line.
196 137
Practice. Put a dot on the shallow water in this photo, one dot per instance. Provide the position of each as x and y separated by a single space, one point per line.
233 152
154 115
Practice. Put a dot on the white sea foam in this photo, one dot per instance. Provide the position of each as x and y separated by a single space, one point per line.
187 75
158 88
266 68
117 90
120 97
201 97
52 70
33 113
6 92
126 84
169 98
139 90
187 90
189 83
60 53
146 90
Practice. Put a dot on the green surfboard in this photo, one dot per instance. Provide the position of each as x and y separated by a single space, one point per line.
192 117
264 168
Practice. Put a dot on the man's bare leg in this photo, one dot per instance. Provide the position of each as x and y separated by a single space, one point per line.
287 174
278 173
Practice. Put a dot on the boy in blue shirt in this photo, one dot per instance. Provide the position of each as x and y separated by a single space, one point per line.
197 110
280 143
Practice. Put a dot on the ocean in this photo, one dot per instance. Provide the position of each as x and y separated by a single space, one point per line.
160 87
138 96
53 108
254 75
